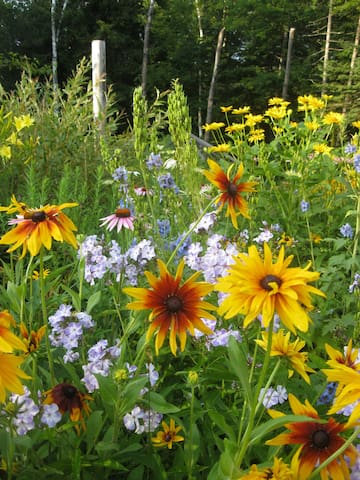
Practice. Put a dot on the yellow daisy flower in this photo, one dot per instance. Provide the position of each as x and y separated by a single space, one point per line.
332 118
221 148
241 110
255 286
282 347
213 126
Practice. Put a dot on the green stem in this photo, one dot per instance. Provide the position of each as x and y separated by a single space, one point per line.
356 237
191 449
244 439
45 317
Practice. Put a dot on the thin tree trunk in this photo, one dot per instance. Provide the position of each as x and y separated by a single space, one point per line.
327 47
55 33
210 102
146 47
352 65
201 38
288 63
54 59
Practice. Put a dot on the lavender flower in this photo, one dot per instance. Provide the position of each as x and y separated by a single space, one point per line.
357 163
166 181
304 206
164 227
26 412
50 415
154 161
350 148
140 421
67 330
356 283
272 397
347 231
101 359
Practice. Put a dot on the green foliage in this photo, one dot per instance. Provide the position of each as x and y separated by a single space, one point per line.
212 390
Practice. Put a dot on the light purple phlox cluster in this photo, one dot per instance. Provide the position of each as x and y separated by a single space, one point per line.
140 421
100 360
67 329
101 258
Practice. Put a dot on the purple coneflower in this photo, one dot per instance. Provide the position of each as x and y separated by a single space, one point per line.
121 218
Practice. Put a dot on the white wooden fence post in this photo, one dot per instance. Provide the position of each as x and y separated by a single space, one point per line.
98 61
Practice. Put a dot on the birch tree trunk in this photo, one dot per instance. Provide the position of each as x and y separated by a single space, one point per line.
55 33
352 65
201 39
327 47
54 59
146 47
210 101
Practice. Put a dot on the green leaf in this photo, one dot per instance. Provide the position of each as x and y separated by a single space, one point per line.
219 420
93 300
158 403
239 365
131 394
74 296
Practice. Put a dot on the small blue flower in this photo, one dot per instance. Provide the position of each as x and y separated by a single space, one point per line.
304 206
350 148
347 231
357 163
164 227
154 161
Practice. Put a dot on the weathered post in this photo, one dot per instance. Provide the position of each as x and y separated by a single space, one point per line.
98 61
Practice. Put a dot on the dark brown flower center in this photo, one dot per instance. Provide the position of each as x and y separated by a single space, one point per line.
38 216
173 303
320 439
168 437
265 282
232 189
122 212
69 391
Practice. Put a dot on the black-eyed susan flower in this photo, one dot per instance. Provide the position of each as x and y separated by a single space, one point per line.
10 374
231 190
69 400
168 435
281 346
37 227
176 308
278 471
33 338
8 340
318 440
259 286
121 218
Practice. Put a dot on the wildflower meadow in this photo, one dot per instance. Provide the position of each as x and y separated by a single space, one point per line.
169 311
